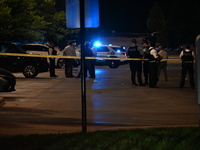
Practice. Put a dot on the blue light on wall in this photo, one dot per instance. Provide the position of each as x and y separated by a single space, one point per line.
73 13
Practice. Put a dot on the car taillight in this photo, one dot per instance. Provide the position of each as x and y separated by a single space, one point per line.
43 59
124 54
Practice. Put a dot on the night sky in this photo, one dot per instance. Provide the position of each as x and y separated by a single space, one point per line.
124 15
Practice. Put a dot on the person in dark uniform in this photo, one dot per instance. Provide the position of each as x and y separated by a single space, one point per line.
154 59
145 51
94 52
88 62
187 57
52 51
135 65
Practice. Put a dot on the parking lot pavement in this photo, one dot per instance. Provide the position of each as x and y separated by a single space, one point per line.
2 101
53 105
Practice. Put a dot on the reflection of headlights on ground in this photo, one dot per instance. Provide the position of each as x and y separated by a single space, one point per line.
98 71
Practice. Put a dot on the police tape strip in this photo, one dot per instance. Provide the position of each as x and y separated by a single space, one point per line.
78 57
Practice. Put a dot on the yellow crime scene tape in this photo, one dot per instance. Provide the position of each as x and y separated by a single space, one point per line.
78 57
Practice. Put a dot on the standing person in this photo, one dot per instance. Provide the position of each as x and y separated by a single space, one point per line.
94 52
145 51
135 65
163 63
69 62
88 62
154 59
52 51
187 57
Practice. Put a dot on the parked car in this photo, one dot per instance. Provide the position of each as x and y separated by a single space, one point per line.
42 49
109 51
3 83
29 66
7 81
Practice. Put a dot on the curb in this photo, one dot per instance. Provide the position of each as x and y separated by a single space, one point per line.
1 101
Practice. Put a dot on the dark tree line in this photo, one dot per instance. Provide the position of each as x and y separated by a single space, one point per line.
176 24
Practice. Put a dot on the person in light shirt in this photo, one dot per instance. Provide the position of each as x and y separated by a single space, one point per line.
69 51
187 57
163 63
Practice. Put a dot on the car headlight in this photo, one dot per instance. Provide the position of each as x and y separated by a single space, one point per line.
118 51
97 43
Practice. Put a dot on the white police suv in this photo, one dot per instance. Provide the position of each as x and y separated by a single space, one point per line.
110 55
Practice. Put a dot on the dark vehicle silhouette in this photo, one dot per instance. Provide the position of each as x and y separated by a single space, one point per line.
29 66
7 81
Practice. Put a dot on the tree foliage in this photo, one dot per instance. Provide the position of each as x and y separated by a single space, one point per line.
57 31
184 22
156 23
156 20
5 21
32 20
22 23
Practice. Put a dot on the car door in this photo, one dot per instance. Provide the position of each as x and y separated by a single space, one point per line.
36 49
102 51
11 63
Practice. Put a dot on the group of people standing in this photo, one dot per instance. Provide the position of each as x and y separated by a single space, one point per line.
147 60
152 61
89 51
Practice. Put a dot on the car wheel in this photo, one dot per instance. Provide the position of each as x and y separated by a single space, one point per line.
30 71
113 63
60 63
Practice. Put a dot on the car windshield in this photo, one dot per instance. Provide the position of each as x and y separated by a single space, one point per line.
10 48
102 49
21 49
35 47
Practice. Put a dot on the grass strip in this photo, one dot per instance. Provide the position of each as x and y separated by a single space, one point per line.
177 138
